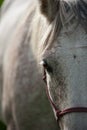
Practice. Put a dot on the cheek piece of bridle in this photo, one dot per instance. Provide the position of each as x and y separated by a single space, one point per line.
58 112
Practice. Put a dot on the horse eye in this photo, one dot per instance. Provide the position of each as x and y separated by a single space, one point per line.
46 66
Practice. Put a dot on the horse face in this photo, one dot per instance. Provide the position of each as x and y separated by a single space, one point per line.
66 72
65 61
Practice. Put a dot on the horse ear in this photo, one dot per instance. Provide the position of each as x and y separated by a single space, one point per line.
49 8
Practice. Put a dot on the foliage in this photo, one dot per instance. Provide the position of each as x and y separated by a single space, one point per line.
1 1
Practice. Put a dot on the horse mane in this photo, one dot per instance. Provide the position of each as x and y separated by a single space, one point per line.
78 8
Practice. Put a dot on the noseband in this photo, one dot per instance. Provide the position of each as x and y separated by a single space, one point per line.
58 112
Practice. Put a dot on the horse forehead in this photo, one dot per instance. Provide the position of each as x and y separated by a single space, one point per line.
65 41
69 40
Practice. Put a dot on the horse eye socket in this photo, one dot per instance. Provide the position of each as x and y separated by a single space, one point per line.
47 66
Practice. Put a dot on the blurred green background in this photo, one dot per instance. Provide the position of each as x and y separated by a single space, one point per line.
2 126
1 1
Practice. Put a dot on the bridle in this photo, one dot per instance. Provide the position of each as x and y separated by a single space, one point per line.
58 112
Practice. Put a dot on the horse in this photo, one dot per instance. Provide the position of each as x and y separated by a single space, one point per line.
50 40
27 110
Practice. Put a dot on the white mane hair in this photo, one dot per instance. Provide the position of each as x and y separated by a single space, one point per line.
12 13
76 8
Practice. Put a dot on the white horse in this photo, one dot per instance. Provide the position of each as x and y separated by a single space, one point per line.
54 34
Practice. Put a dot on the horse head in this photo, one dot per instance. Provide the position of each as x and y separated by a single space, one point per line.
64 59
